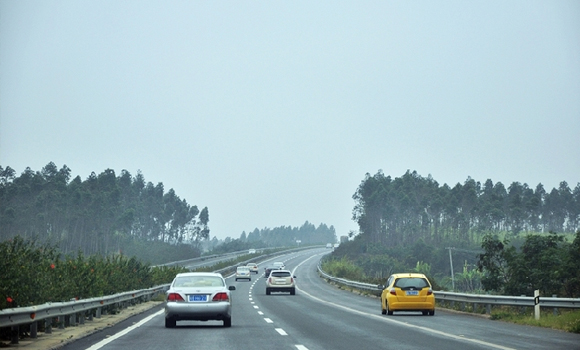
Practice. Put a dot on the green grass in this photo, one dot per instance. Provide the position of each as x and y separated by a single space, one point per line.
566 320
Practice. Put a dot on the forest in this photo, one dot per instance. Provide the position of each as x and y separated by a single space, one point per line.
400 211
497 237
109 213
102 214
282 236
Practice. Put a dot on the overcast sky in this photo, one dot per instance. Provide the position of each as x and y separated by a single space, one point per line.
271 113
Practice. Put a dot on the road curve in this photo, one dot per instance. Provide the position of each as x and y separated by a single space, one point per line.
321 317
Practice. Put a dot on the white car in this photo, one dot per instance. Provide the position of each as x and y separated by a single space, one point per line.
280 265
253 268
198 296
280 281
243 272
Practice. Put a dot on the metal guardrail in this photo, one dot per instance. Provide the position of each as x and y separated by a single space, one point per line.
26 315
483 299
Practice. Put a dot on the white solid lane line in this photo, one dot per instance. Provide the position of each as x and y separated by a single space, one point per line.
125 331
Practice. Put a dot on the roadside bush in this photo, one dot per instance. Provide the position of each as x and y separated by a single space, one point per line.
34 274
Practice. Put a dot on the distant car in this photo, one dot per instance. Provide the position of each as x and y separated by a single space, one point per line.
408 292
279 264
198 296
253 267
280 281
243 272
328 245
269 269
252 251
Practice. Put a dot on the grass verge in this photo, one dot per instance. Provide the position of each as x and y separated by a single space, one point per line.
565 320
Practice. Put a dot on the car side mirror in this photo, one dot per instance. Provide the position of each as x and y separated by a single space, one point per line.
232 287
381 286
294 276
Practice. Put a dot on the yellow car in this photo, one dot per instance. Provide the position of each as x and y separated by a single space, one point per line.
408 292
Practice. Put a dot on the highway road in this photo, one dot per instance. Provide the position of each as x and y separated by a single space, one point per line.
320 317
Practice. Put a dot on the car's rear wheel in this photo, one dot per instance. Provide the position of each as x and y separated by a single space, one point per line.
389 312
170 323
267 291
292 291
432 312
228 322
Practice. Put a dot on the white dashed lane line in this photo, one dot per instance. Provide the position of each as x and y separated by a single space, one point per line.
281 331
268 320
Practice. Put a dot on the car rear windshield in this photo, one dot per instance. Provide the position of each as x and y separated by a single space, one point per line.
280 274
198 281
411 282
244 268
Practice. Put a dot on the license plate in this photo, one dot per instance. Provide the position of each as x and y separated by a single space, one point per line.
198 298
412 292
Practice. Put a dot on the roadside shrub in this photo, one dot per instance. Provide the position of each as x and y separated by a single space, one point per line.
33 274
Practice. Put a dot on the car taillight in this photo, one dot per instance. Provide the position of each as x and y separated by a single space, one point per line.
393 291
291 280
221 297
174 297
430 291
270 280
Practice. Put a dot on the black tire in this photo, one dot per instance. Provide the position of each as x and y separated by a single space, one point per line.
236 279
383 311
432 312
425 313
389 312
292 291
267 291
228 322
170 323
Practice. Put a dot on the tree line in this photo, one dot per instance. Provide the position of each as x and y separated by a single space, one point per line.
282 236
96 215
399 211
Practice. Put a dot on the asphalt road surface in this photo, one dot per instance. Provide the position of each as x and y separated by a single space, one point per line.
320 317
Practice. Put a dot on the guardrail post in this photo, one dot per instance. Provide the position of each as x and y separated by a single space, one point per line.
82 317
48 326
537 304
488 309
61 320
555 309
14 333
34 330
98 312
474 308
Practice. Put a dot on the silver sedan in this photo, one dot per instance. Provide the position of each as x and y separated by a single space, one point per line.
198 296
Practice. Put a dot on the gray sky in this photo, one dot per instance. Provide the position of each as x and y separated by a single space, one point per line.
270 113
